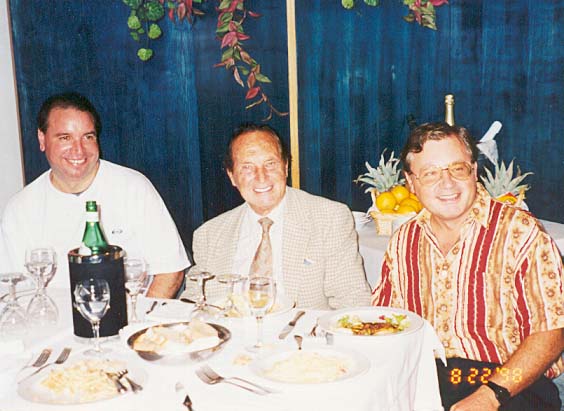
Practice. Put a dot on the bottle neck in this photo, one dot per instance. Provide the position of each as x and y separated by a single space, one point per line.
92 217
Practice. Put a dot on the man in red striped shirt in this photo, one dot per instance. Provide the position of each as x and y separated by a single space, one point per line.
486 275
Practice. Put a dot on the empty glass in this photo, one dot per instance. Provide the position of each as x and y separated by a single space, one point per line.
92 300
135 274
41 264
202 310
229 308
260 293
13 320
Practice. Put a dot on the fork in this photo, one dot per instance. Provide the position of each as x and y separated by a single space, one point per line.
134 386
40 360
209 376
313 333
63 356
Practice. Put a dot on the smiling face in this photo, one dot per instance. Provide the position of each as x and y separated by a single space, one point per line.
449 200
259 172
71 147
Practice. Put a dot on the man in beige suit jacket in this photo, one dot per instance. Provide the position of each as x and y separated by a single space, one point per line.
320 264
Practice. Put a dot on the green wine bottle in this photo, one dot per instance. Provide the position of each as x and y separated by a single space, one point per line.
93 240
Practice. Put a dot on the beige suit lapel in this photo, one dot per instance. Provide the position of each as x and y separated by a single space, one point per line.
228 239
294 243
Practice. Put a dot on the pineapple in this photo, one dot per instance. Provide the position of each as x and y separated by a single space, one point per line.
503 186
383 177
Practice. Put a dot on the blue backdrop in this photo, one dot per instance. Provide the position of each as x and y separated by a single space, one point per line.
361 72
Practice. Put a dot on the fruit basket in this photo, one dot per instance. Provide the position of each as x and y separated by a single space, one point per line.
392 203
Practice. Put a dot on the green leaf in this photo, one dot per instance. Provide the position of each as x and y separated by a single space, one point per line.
224 28
373 3
224 4
153 10
145 54
244 70
154 31
133 22
226 17
133 3
262 78
227 54
170 5
134 35
347 4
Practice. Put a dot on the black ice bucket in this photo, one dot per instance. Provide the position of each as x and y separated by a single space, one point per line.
109 267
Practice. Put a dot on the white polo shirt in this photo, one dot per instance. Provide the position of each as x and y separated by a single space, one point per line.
132 215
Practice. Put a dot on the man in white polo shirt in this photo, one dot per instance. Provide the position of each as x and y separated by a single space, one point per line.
50 211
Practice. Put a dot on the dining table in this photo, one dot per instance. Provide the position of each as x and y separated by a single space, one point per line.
398 371
372 246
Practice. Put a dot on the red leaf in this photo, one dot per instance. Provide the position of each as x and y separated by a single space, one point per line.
171 14
238 77
232 26
251 80
232 6
181 11
253 14
242 36
230 39
252 93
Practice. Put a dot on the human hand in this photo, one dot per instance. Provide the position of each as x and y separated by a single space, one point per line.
482 399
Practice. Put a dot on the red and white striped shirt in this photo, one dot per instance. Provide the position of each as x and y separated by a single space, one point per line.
502 281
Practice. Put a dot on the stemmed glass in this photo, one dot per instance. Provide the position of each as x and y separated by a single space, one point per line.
202 310
13 320
260 293
41 263
92 300
135 274
230 280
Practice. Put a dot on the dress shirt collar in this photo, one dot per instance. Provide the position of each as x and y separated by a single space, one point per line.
478 212
275 215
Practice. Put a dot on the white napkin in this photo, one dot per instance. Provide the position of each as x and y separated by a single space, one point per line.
488 145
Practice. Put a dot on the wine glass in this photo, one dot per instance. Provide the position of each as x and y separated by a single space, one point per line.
260 293
230 280
92 300
41 264
13 319
135 274
202 310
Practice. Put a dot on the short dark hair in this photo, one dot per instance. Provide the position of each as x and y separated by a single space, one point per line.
67 100
248 128
436 131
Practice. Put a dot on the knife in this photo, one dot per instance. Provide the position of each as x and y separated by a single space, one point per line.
188 402
290 326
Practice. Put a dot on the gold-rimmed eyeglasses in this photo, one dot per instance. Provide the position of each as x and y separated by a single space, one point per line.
459 170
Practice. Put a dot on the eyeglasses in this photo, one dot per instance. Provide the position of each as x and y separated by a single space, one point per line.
460 170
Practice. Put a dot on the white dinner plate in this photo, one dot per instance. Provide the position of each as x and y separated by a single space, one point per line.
329 321
310 365
31 389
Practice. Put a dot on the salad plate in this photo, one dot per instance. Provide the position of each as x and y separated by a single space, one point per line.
371 322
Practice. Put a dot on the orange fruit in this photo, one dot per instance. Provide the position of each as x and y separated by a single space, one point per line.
507 198
410 202
385 201
405 209
400 193
412 195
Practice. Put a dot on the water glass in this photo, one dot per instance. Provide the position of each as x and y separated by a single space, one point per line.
228 306
13 319
202 310
135 275
41 264
92 300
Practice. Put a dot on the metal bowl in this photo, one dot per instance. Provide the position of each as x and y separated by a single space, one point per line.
180 358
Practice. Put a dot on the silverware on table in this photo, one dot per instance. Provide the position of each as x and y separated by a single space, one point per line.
187 401
299 340
189 301
135 387
313 332
152 307
40 360
209 376
63 356
290 326
120 387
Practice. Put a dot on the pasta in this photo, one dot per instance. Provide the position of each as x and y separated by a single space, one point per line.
308 367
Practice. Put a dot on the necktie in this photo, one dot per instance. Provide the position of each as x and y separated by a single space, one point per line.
262 262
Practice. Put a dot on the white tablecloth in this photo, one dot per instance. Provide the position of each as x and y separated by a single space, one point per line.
372 247
402 373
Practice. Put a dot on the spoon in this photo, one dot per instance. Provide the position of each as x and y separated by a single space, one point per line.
299 340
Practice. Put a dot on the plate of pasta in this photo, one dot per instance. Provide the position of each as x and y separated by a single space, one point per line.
371 322
310 366
77 381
